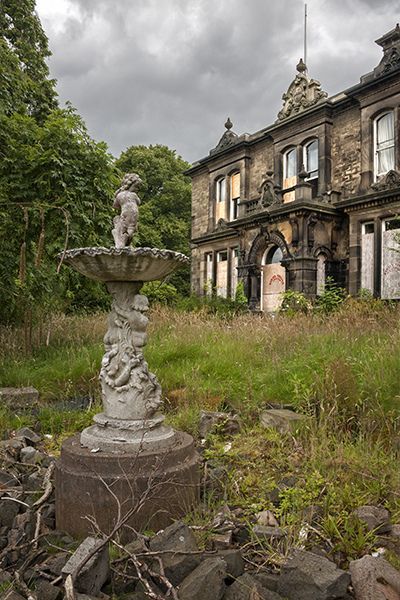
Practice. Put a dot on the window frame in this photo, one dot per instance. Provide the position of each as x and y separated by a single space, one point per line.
306 146
290 150
234 200
376 151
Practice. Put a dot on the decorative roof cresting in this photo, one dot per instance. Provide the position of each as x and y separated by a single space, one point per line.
302 93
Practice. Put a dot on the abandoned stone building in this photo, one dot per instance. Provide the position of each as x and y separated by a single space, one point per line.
315 194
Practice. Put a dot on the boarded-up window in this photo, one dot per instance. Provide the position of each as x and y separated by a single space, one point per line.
234 271
321 274
289 173
367 257
220 197
235 196
208 285
390 278
222 273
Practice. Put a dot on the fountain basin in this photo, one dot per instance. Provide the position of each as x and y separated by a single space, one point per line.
124 264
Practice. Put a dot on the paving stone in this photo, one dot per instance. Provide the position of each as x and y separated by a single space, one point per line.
307 576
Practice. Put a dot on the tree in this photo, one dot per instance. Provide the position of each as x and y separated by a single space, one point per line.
164 219
24 79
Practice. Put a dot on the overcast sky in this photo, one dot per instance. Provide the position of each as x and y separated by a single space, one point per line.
171 71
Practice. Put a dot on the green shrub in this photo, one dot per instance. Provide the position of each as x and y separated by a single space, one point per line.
331 298
294 302
163 293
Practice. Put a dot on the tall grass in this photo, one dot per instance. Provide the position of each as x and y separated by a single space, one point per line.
245 362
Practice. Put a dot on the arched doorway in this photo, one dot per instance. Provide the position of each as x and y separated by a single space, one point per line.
273 279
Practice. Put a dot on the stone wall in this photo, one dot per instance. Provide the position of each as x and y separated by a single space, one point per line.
200 203
346 152
261 160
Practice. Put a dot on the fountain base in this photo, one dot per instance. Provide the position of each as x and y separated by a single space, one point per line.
149 486
125 435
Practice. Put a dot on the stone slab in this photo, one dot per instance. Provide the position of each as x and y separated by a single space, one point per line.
95 572
18 398
170 480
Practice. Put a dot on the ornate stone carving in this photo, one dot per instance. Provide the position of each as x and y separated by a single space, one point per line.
390 42
229 137
130 391
126 199
270 193
222 224
302 93
390 181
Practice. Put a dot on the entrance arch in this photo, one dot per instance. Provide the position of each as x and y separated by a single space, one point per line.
273 279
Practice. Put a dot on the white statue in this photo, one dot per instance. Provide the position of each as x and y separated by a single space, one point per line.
126 199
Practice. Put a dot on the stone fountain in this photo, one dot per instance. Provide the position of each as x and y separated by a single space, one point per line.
128 465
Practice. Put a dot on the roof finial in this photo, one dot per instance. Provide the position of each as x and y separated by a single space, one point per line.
301 66
228 124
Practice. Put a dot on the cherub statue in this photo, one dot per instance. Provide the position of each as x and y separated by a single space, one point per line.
125 198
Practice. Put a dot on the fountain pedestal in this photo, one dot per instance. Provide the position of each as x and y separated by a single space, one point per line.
128 466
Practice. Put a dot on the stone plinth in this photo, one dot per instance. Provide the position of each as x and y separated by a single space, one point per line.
162 478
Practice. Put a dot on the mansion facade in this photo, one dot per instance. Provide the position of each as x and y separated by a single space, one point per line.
315 194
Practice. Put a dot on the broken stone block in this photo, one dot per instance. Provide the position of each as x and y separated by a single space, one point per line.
11 595
307 575
8 511
376 518
221 541
47 591
30 455
206 582
29 435
247 587
267 534
281 419
267 518
234 562
95 572
17 398
211 421
374 579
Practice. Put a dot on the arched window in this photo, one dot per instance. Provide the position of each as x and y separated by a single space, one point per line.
220 199
310 159
273 256
289 165
383 144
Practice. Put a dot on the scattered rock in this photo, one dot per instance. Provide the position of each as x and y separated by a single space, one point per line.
307 576
8 511
226 423
11 595
374 579
96 571
178 538
29 455
267 518
282 420
376 518
234 562
247 587
221 541
30 436
7 480
268 580
206 582
215 481
47 591
265 533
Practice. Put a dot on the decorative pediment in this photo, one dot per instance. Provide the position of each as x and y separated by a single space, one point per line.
389 181
229 137
302 93
390 42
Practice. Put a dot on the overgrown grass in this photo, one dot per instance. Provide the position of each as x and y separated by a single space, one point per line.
343 371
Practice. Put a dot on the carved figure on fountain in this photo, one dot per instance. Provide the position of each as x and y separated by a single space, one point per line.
126 199
130 391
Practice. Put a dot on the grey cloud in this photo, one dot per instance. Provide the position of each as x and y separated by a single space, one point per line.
171 71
